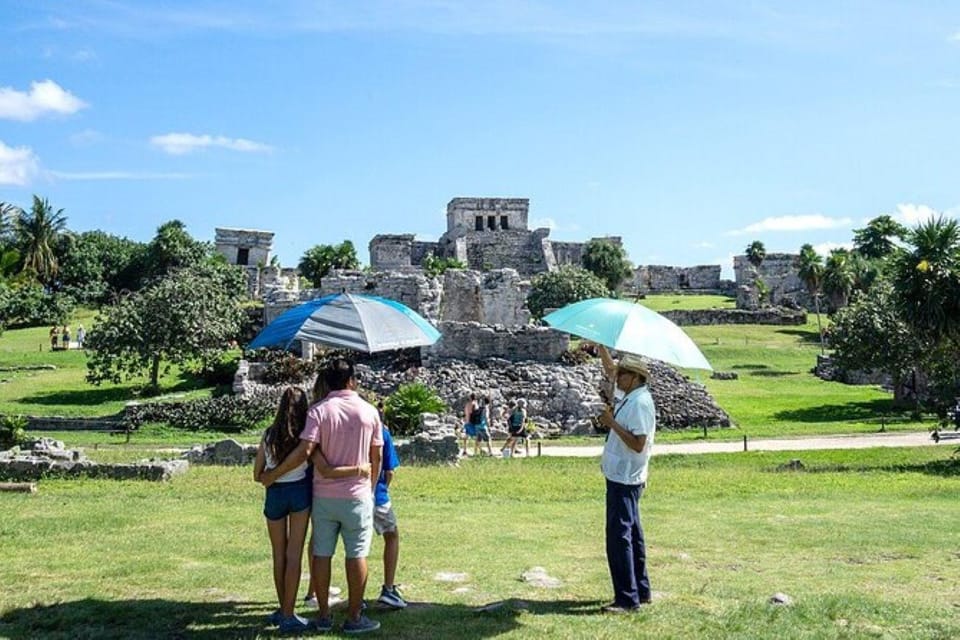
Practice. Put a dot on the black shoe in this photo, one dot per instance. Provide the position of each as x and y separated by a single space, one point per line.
615 608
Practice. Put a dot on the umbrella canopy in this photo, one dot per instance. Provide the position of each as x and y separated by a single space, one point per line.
628 327
351 321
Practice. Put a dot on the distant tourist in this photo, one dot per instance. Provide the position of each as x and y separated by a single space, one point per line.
483 428
632 426
53 339
516 425
472 416
81 336
65 338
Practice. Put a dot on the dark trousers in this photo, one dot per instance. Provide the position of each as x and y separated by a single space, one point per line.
626 551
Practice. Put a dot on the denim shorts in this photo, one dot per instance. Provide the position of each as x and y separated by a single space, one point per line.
284 498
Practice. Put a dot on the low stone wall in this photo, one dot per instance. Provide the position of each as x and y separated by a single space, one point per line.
827 370
46 458
108 423
701 317
226 452
474 341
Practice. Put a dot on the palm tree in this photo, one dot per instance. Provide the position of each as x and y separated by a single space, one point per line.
927 279
37 232
756 252
8 216
875 240
811 273
839 277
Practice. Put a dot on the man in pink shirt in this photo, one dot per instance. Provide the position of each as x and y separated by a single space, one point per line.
345 430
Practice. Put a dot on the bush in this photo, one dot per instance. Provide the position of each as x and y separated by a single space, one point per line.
283 367
12 431
208 414
221 372
29 305
402 409
566 285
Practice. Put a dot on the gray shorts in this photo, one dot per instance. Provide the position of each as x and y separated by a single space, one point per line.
384 519
351 519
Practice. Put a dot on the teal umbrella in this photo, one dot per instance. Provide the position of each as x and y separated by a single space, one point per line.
629 327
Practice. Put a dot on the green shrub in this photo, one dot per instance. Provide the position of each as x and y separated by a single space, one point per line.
283 367
436 266
12 431
402 409
213 414
566 285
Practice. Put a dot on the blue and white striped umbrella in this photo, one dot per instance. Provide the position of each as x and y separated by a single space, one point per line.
350 321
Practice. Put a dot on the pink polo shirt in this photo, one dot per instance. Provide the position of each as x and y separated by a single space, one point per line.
344 426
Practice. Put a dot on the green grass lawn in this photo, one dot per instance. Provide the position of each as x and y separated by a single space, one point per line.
867 543
677 301
64 391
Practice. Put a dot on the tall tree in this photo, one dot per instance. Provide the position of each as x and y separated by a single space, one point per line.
839 277
607 261
319 260
186 317
927 278
37 233
811 273
9 213
876 239
172 248
756 252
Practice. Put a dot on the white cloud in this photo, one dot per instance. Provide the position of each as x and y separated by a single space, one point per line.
808 222
46 97
913 214
704 245
18 165
118 175
824 248
184 143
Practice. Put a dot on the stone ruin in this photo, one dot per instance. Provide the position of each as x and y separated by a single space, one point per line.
485 234
226 452
664 279
780 273
250 249
46 458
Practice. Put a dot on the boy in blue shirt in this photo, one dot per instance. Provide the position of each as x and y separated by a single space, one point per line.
385 524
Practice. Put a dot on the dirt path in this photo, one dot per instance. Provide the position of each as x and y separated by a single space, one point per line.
920 439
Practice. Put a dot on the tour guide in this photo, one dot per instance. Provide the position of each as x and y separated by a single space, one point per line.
624 463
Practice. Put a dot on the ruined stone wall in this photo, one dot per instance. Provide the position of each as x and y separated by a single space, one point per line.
258 244
494 297
663 278
391 251
469 214
767 315
420 249
520 250
781 274
473 341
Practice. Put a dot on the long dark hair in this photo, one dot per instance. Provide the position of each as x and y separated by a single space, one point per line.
283 435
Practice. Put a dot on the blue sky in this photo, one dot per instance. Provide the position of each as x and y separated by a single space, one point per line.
688 128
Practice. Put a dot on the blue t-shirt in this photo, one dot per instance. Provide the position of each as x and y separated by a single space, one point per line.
390 462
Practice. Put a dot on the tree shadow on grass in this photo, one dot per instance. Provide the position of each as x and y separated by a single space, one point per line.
750 366
156 618
98 395
946 468
863 411
805 335
772 374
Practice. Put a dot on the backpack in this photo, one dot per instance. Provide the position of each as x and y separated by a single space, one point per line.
476 416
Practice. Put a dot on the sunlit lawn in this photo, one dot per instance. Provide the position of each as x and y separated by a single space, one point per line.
866 543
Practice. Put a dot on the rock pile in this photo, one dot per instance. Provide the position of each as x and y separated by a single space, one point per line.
224 452
47 458
561 399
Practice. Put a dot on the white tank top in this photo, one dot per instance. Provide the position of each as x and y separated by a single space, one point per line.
297 473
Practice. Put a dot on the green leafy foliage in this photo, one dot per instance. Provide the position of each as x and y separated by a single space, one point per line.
188 317
319 260
435 266
25 303
555 289
403 408
608 261
95 265
283 367
12 431
37 233
876 239
207 414
756 252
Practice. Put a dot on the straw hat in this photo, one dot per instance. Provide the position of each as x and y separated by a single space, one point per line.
630 362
